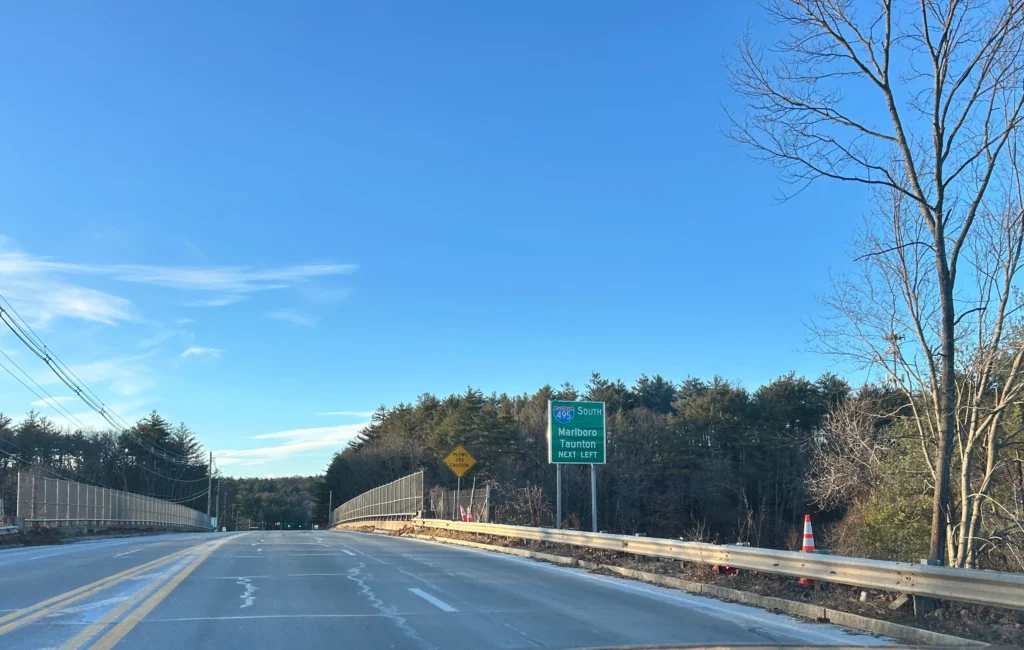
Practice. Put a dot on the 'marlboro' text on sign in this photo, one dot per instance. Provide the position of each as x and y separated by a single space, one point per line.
576 432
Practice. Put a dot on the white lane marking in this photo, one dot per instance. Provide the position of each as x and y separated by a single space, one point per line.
358 552
440 604
248 598
128 552
345 550
259 550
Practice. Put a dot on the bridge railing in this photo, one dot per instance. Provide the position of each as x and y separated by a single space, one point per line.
401 499
46 501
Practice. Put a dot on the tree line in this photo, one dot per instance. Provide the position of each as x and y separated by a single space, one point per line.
271 503
709 460
153 457
703 458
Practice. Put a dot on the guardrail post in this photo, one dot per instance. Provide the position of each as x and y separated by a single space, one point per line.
487 503
923 604
641 558
820 585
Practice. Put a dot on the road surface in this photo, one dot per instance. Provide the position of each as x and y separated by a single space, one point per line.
321 589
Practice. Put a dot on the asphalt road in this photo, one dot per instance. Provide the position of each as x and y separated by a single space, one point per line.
320 589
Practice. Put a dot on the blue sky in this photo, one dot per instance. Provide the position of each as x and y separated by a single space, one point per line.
246 215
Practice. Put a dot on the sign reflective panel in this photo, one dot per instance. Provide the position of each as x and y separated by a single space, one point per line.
459 461
576 432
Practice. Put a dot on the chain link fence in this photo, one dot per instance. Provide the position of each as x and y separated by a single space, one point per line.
394 500
54 502
455 506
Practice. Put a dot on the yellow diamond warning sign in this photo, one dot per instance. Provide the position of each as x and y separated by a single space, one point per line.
459 461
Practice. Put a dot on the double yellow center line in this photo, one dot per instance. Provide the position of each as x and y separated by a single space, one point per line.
115 634
50 606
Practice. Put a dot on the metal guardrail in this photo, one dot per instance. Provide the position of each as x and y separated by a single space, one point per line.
993 588
55 502
401 498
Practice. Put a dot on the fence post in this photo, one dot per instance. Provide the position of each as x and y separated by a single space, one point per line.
487 503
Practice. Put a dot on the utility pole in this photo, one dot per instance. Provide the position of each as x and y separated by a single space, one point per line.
209 486
330 502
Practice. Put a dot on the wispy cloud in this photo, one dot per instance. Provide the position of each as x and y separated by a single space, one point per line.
184 321
293 316
355 414
55 401
40 300
325 295
228 279
219 301
40 287
238 279
197 351
299 441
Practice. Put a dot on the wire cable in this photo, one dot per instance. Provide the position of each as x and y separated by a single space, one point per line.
171 478
38 396
39 343
53 403
24 332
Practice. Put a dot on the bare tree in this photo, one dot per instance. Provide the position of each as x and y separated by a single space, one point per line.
847 452
920 101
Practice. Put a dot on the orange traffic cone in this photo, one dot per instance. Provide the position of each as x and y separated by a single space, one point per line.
808 546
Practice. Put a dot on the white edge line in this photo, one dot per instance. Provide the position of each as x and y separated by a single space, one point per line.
440 604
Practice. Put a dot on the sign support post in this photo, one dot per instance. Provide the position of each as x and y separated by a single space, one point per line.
558 495
593 496
458 498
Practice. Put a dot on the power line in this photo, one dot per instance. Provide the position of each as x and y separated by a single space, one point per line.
53 403
24 332
171 478
39 343
40 397
187 499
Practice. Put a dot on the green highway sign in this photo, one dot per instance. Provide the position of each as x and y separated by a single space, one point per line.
576 432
